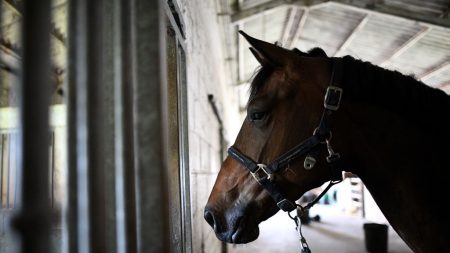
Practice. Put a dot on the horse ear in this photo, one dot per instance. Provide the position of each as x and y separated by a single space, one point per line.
260 58
267 53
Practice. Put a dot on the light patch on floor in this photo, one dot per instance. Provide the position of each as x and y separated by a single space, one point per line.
336 232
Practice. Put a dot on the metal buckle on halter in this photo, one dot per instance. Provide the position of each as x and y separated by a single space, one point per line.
286 205
333 97
262 173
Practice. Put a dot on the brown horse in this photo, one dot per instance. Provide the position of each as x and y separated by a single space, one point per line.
391 130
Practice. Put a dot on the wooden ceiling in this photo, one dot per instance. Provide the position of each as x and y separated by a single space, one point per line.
410 36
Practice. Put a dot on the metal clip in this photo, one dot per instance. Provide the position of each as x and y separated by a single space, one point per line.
262 173
332 156
309 162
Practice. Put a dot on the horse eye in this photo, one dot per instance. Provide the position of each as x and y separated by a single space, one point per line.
257 115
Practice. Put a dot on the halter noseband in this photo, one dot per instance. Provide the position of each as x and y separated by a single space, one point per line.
265 174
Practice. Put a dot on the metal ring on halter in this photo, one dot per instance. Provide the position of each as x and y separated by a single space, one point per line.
301 210
295 217
330 135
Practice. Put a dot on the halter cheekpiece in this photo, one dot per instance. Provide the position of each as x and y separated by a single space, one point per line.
311 147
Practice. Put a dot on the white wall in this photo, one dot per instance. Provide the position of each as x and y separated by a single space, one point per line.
207 73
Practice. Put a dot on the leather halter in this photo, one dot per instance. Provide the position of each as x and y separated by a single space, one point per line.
265 174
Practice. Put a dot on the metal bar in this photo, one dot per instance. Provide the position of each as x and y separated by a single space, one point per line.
33 221
176 236
118 215
2 157
76 37
127 131
107 96
408 44
184 152
78 204
91 109
352 35
150 125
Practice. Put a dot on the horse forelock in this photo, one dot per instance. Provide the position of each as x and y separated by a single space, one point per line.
262 73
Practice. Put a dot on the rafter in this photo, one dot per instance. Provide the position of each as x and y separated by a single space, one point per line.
435 70
287 25
381 7
244 14
299 28
352 35
375 6
405 46
445 87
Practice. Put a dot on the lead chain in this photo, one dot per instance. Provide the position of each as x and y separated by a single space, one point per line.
303 244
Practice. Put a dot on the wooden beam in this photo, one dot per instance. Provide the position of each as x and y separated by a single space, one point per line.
445 87
379 7
241 51
395 11
288 25
352 35
244 14
298 32
433 71
405 46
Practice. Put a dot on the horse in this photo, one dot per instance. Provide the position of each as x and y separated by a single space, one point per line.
304 110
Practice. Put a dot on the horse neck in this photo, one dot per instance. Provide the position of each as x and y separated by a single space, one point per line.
403 165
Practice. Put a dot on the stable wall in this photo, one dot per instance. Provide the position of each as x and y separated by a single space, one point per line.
207 73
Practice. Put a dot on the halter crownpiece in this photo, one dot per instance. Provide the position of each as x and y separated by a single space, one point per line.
264 174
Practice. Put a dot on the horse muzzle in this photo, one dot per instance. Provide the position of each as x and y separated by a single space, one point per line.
233 227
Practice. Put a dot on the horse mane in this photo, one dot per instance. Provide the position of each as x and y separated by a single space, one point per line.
409 98
364 82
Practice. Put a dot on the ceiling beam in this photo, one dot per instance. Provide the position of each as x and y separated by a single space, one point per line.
287 26
435 70
445 87
299 28
352 35
380 7
375 6
244 14
405 46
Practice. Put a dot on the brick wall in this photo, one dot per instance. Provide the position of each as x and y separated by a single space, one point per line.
207 73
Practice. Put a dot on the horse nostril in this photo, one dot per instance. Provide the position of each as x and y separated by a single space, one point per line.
209 217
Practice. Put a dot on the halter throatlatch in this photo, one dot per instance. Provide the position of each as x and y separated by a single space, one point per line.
311 147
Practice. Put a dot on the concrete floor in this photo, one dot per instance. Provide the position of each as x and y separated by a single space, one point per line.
336 232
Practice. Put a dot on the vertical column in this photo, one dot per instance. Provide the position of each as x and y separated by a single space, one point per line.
91 132
77 206
33 221
150 125
125 171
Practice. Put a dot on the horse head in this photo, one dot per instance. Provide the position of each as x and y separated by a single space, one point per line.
284 108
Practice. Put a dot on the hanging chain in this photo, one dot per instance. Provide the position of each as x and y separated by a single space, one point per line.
304 248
